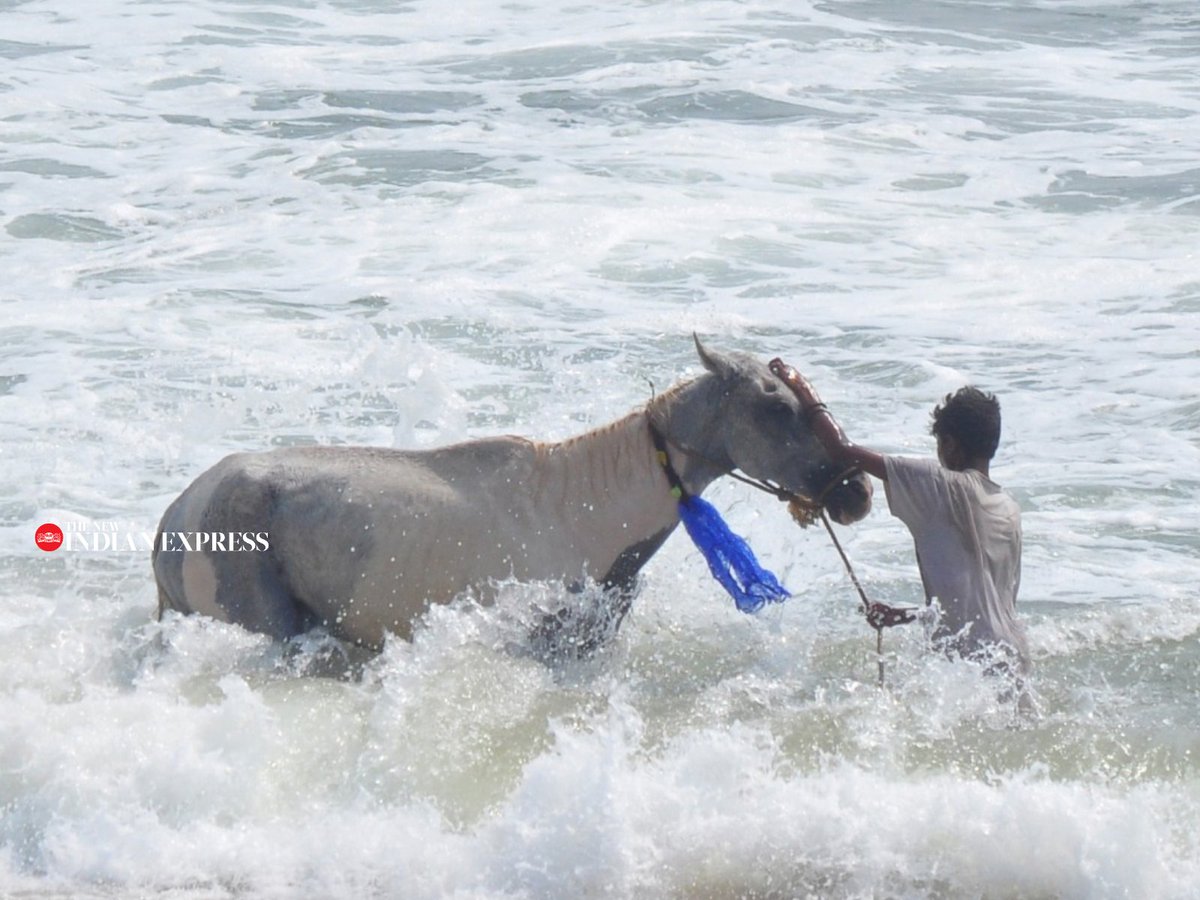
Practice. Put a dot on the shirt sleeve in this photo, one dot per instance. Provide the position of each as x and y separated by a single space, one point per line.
915 488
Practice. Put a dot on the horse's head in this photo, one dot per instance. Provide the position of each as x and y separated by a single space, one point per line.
745 417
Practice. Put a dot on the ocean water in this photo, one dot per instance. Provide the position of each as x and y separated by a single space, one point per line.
238 224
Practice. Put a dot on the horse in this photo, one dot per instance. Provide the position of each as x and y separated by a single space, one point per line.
362 541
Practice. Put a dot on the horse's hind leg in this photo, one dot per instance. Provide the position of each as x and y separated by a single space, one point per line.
252 594
230 579
242 587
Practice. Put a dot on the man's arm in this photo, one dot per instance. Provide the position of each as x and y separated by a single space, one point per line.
825 426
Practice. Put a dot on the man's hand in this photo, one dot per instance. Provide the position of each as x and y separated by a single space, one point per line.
880 615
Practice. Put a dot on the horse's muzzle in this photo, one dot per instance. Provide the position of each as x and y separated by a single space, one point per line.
851 500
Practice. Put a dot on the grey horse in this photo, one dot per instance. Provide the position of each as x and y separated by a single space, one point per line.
363 540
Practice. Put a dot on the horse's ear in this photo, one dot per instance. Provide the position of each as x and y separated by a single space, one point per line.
712 360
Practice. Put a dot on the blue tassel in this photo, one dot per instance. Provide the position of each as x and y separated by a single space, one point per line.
729 557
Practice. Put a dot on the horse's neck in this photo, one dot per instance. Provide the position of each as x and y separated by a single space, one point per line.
686 418
616 466
611 477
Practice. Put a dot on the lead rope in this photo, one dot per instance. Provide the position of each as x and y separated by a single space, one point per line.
879 615
862 595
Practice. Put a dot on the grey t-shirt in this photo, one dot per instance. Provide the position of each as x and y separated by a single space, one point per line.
967 531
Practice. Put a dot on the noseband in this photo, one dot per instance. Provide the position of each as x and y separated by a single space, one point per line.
805 510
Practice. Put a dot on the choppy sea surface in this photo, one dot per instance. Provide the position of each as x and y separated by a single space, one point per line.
236 224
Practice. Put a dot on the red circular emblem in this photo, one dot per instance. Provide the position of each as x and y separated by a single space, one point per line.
49 537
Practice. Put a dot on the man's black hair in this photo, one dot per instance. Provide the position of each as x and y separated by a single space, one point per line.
971 417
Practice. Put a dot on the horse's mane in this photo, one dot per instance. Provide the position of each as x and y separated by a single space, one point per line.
649 408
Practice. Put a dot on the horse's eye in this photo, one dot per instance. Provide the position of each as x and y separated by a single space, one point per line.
778 411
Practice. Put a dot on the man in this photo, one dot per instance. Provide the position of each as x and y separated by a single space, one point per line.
966 528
